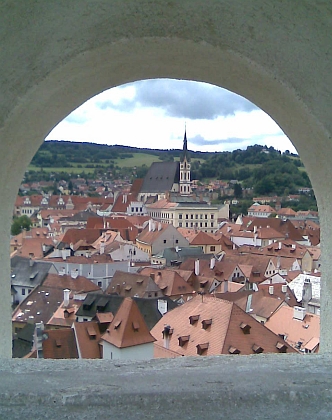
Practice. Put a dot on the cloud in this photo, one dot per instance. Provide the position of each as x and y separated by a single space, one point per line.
201 141
76 118
181 99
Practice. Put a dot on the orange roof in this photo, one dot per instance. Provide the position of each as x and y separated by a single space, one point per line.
87 338
128 327
78 284
60 344
283 322
169 281
211 326
72 236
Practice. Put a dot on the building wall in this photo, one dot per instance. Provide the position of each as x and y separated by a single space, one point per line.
140 352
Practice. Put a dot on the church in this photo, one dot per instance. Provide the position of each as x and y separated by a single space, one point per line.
167 194
164 178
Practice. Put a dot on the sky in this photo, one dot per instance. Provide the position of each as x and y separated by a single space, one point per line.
154 113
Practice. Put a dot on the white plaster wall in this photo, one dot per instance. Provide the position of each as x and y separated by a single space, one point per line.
141 352
56 55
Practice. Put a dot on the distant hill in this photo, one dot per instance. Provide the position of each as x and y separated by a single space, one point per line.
264 169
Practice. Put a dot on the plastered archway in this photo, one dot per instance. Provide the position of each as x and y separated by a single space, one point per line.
56 56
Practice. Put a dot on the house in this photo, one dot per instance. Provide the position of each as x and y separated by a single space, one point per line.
207 326
175 256
97 306
170 282
158 236
299 329
260 210
133 285
26 274
127 337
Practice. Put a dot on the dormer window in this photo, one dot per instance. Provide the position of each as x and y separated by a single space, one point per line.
193 319
183 340
135 326
257 349
117 325
206 323
281 347
202 348
233 350
245 328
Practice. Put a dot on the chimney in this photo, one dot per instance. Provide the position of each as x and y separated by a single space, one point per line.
197 267
279 245
74 273
212 263
62 271
271 290
306 293
255 229
225 286
117 289
102 248
284 288
255 239
64 254
66 294
159 226
166 336
150 225
299 313
31 261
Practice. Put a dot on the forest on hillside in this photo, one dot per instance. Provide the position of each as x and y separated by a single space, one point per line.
263 169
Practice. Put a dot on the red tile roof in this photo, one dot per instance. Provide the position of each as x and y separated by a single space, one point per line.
216 331
128 327
60 344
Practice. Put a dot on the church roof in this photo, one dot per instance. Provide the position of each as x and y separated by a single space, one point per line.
160 177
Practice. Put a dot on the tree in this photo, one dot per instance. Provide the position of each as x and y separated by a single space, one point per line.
237 190
20 223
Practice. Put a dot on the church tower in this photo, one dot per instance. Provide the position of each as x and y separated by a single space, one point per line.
185 183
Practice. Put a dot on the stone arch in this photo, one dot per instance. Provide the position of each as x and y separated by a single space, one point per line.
55 57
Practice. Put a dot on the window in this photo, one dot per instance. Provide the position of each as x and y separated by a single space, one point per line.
180 216
186 224
176 241
212 248
29 291
100 283
206 216
180 224
212 216
23 292
187 216
211 224
191 216
164 241
196 216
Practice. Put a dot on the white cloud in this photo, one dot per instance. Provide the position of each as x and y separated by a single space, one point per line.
131 115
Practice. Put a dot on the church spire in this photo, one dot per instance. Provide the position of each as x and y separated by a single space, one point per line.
185 146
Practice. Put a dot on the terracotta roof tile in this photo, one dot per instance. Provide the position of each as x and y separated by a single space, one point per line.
222 331
60 344
128 327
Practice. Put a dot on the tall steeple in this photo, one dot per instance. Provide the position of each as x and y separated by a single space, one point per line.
185 146
185 183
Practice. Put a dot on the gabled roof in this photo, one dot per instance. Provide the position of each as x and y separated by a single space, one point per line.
109 304
78 284
128 327
212 326
283 322
26 272
87 337
169 281
72 236
132 284
160 177
202 238
150 236
60 344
